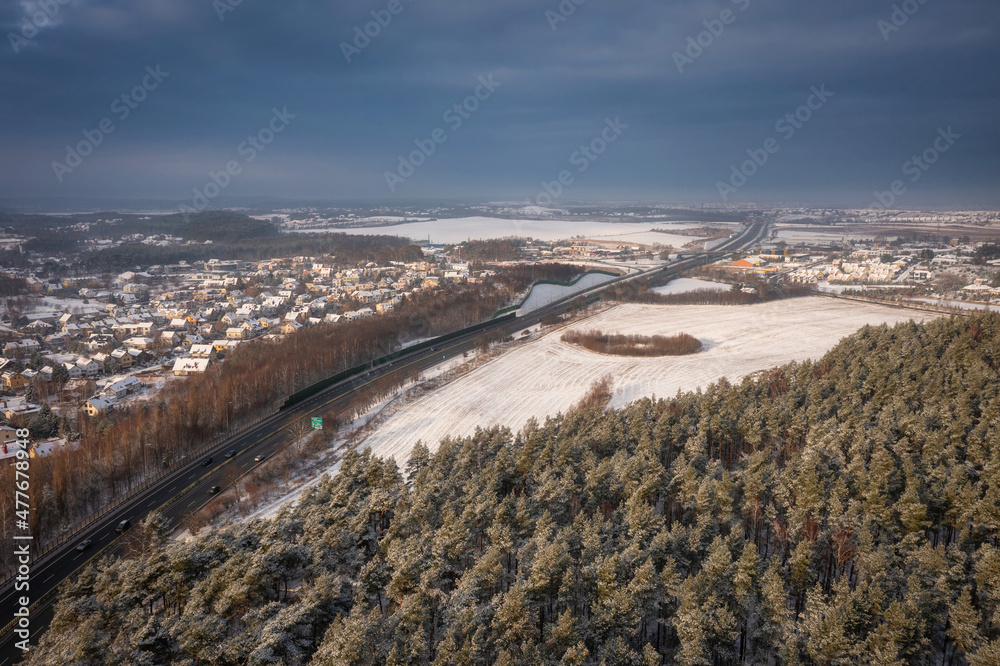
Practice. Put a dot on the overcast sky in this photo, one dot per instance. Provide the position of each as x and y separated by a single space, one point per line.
559 82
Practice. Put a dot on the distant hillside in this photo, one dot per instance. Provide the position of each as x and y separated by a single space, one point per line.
221 226
348 249
214 225
839 512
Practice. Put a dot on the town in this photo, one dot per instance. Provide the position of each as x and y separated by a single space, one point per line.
94 343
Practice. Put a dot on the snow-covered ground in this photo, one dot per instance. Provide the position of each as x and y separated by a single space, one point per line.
462 229
543 294
65 305
548 376
684 285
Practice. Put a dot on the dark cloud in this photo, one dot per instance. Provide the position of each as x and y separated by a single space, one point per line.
607 59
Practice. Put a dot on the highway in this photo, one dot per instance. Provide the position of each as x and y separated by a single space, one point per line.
186 490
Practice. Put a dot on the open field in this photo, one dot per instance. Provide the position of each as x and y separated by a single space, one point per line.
479 228
547 376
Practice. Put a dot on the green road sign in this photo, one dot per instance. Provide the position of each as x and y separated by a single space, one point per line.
317 424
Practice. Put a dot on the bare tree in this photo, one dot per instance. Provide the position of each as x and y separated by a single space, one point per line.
299 429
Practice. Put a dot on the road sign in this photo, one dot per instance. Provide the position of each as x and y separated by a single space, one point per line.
317 424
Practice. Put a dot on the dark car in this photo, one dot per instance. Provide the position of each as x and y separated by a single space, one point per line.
261 458
230 454
84 545
206 462
123 526
215 490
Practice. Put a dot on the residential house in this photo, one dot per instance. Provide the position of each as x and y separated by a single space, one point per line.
14 381
123 388
17 407
190 366
27 346
140 342
96 406
89 367
192 339
122 357
8 438
203 351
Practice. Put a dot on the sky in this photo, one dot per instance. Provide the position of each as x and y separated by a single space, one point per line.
651 101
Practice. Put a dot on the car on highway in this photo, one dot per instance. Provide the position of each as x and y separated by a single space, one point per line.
230 454
215 490
84 545
206 462
261 458
123 526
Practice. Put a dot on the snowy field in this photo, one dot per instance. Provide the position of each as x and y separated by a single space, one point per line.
543 294
684 285
547 376
477 228
64 305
